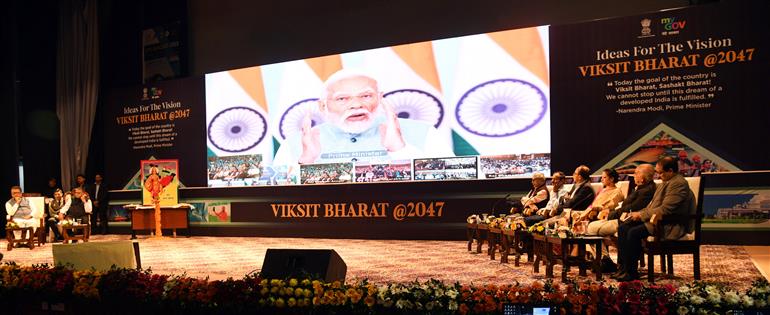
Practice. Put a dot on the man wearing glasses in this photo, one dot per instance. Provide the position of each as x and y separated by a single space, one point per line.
20 210
361 126
533 201
672 197
555 199
579 197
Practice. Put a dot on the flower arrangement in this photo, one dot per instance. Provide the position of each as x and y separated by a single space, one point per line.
714 298
85 283
560 231
512 222
537 228
760 293
520 224
67 223
496 222
130 290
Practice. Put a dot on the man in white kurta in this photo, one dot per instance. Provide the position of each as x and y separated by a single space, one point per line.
20 210
361 126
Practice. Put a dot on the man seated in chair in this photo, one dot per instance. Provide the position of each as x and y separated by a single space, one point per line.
79 206
579 197
20 210
673 197
55 205
555 199
642 194
535 199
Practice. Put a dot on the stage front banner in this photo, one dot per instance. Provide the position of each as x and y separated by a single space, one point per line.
413 210
736 208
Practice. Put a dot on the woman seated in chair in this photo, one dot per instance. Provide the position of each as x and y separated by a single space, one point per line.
607 200
54 206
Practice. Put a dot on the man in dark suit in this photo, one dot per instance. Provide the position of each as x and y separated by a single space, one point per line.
672 197
639 198
642 194
100 196
581 195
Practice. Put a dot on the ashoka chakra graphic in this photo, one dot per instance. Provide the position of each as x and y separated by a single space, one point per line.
237 129
501 108
291 120
417 105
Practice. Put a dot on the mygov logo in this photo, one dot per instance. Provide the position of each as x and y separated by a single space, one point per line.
671 24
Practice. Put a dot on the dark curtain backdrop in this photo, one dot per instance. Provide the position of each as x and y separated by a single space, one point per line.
77 85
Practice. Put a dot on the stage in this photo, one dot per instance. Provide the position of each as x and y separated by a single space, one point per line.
383 261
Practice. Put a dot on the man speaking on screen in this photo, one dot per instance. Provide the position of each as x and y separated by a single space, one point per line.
360 126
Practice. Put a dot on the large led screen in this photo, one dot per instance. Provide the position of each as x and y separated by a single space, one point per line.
484 96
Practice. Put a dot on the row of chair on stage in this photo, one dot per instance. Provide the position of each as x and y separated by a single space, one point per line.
511 235
35 231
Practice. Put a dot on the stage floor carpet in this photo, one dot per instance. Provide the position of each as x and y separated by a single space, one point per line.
383 260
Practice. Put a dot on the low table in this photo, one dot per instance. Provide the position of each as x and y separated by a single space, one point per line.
480 234
83 236
494 236
11 238
520 241
543 247
470 232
